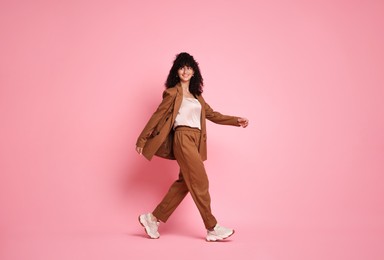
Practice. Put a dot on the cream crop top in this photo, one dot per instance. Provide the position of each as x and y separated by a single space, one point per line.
189 113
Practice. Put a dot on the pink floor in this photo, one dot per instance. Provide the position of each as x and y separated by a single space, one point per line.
183 244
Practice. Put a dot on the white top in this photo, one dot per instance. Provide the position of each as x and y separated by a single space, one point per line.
189 113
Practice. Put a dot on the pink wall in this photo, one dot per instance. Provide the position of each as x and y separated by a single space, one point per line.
79 79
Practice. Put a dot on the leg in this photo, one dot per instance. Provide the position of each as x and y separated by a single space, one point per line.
172 199
192 168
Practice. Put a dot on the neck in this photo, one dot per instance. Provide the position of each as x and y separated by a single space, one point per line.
185 86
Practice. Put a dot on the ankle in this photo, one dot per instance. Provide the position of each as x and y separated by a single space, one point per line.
153 218
212 229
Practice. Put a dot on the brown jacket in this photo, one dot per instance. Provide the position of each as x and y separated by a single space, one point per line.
161 122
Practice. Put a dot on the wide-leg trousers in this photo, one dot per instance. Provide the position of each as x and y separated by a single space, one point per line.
192 178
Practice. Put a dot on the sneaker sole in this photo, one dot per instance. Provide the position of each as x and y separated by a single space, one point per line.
141 223
217 239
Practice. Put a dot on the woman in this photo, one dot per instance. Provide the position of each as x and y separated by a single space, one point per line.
182 115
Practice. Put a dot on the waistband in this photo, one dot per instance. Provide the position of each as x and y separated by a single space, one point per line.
187 128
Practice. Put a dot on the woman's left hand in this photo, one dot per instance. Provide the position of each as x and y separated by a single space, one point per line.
243 122
139 150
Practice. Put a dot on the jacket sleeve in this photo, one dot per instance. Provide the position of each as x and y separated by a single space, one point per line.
218 118
155 118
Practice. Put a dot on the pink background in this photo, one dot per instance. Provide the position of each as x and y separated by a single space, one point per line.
79 79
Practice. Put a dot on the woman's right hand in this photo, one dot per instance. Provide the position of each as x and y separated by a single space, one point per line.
243 122
139 150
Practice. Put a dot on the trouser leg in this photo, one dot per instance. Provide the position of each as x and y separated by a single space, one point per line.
172 199
186 143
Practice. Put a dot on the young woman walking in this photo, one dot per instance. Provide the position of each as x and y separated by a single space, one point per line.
177 130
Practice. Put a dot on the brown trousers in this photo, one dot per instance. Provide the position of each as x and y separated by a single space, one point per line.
192 178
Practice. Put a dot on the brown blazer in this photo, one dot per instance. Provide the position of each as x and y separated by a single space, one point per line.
161 122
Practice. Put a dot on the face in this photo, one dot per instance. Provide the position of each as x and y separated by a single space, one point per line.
185 73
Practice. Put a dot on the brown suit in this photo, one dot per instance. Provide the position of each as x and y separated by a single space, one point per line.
190 150
161 122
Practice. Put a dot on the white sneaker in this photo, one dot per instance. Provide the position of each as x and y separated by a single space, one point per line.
149 225
219 233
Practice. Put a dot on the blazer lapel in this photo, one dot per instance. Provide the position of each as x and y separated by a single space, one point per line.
202 119
177 103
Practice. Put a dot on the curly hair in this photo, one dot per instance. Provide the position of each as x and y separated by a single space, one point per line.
196 83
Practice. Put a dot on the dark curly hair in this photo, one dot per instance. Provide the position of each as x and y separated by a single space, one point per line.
196 83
